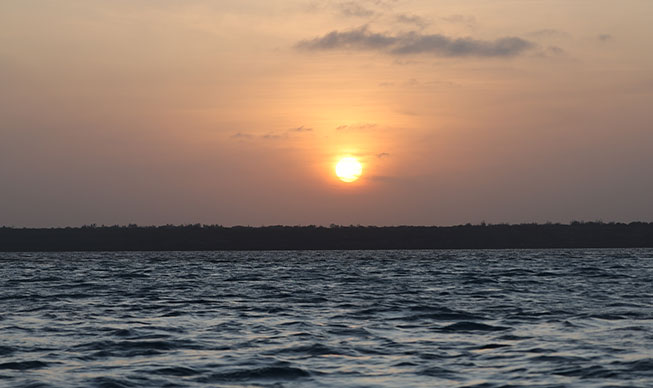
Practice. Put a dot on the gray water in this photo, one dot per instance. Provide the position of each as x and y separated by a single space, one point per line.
549 318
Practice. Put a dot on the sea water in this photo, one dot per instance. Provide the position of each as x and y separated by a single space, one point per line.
485 318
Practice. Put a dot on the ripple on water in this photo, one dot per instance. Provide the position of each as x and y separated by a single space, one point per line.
23 365
471 327
277 372
329 318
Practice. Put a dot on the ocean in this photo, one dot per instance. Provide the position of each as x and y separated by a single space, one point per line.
483 318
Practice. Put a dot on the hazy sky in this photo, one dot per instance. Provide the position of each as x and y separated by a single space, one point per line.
235 111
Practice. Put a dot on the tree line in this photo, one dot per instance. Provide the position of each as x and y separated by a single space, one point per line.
216 237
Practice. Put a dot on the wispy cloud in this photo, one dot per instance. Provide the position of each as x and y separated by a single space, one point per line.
274 136
604 37
414 83
356 126
554 50
548 33
416 43
468 21
301 128
348 8
353 8
412 20
382 155
241 135
287 134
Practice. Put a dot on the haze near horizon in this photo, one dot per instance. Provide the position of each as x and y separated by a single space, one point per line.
236 113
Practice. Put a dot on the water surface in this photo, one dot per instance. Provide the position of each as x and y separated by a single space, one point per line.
549 318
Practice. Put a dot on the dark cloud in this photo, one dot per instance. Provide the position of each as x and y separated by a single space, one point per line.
457 47
382 155
416 43
301 128
359 38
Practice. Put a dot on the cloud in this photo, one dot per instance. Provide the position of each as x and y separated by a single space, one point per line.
412 19
416 43
356 126
382 155
404 62
469 21
413 83
301 128
274 136
354 39
352 8
555 50
241 135
288 134
604 37
456 47
548 33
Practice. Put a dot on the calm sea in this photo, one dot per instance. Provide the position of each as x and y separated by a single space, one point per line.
504 318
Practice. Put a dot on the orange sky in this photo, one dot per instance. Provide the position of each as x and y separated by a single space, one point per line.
235 112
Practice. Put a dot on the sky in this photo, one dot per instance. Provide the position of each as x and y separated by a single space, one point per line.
235 112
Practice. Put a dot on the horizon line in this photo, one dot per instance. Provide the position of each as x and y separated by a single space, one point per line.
330 226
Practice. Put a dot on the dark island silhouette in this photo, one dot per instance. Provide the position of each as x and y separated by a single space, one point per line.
216 237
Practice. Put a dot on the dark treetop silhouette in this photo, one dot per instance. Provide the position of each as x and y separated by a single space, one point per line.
215 237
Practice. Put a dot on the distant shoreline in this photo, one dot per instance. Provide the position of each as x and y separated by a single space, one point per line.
239 238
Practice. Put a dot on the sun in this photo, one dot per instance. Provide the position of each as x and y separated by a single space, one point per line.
349 169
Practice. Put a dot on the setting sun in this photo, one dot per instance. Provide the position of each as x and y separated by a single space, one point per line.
349 169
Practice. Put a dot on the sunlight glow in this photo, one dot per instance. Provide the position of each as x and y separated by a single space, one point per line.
349 169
